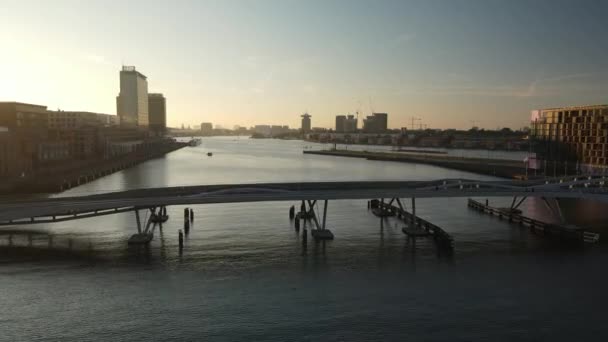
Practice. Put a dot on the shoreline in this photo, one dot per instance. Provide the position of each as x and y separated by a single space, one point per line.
56 180
490 167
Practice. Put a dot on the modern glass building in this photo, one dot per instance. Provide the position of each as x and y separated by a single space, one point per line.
572 134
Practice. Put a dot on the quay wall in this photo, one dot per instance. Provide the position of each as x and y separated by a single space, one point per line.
492 167
71 174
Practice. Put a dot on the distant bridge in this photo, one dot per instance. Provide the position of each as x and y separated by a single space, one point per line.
70 208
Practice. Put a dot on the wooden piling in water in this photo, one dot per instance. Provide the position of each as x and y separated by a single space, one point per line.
180 239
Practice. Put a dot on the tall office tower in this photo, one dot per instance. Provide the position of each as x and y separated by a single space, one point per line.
157 110
132 102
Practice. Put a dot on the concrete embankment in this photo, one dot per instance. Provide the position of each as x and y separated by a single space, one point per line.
72 174
493 167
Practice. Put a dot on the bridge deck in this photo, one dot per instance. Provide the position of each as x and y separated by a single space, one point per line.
55 209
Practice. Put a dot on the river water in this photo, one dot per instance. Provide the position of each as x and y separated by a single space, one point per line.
245 274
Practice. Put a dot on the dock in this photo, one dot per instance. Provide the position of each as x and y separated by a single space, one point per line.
415 225
562 231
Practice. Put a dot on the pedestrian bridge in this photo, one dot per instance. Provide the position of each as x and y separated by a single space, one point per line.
69 208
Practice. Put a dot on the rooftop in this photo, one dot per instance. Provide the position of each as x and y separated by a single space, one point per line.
577 107
131 69
21 103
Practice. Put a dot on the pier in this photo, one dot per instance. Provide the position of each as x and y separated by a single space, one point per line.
562 230
415 225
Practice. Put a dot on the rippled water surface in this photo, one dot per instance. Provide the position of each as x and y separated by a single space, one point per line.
245 274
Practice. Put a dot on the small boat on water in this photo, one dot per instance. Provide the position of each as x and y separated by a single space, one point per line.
209 154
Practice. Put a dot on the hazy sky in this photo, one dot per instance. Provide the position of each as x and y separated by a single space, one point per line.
452 63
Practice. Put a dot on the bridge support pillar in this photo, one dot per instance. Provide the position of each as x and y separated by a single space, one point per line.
414 211
320 233
144 235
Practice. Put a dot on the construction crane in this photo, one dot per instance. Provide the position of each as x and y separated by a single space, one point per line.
414 119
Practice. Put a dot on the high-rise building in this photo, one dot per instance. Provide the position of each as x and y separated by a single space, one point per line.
157 110
381 122
340 123
376 123
132 101
306 124
350 124
206 128
572 134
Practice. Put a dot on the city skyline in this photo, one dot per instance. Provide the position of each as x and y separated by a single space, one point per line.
454 65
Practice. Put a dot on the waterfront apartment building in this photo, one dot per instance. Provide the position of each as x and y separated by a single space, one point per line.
75 120
157 110
306 123
24 127
8 154
572 134
17 115
376 123
132 101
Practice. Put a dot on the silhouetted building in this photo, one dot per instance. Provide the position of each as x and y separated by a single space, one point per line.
376 123
350 124
157 110
75 120
25 127
16 115
346 124
577 134
9 159
340 123
265 130
306 124
108 120
132 102
206 128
